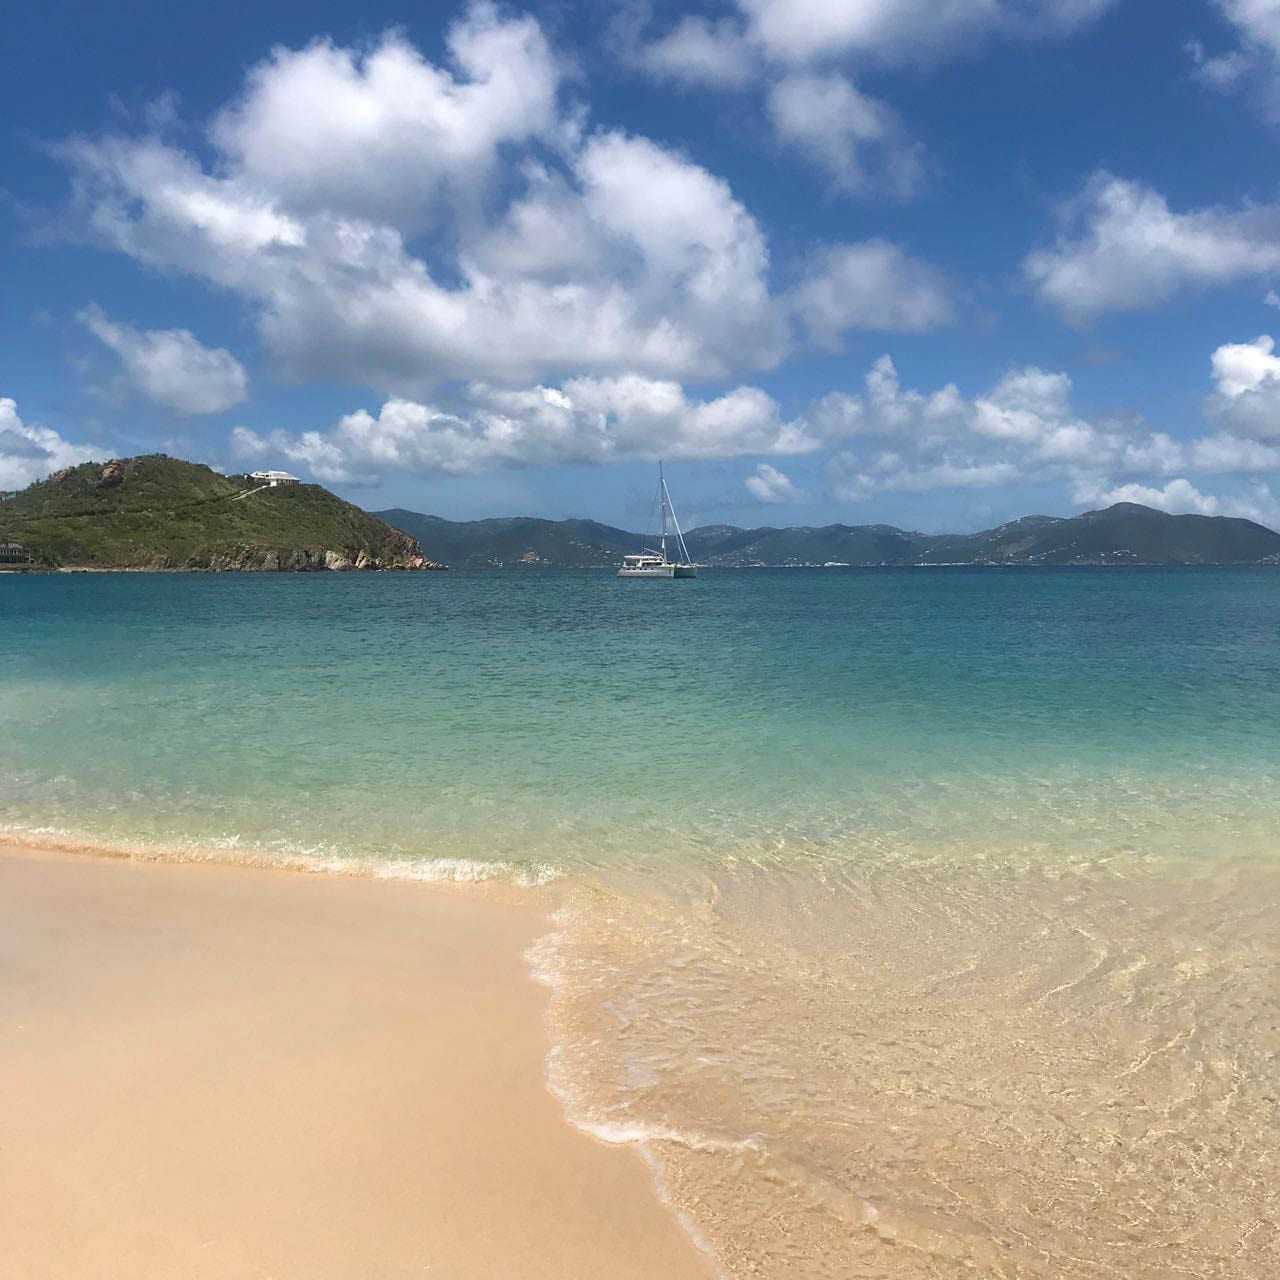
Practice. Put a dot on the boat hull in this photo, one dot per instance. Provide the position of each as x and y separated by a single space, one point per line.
651 571
686 571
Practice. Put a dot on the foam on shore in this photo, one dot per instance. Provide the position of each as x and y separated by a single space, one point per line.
281 856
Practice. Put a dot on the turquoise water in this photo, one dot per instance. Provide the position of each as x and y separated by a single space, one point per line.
570 719
920 923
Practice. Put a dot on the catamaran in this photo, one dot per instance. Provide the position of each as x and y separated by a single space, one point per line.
657 564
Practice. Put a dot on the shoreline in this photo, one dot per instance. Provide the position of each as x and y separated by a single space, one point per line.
224 1070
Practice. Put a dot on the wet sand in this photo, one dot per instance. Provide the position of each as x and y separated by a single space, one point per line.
209 1071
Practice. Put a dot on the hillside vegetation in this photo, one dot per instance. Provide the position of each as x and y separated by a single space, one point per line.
157 512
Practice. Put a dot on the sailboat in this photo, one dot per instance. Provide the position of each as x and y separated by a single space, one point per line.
649 563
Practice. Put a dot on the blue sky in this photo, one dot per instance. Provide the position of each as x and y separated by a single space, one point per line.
934 263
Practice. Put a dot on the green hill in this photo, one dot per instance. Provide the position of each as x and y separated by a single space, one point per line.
157 512
848 544
1122 534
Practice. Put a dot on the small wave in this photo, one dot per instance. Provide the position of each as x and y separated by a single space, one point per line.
282 856
621 1133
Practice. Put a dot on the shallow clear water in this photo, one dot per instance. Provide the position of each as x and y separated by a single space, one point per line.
899 909
575 719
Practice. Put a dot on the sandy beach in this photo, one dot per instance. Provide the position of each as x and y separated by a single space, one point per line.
209 1071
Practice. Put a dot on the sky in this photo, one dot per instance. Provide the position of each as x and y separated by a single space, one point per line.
930 263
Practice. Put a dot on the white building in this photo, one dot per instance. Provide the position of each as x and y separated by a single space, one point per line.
273 478
14 553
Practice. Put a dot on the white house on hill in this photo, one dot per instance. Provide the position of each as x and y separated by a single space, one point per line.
273 478
14 553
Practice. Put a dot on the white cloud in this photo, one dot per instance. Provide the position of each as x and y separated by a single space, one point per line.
597 252
699 51
1258 502
1122 248
856 480
790 46
889 437
1246 397
1219 71
170 367
1255 62
1022 429
585 420
800 31
854 139
29 452
1232 453
1240 367
873 285
1178 497
384 135
768 484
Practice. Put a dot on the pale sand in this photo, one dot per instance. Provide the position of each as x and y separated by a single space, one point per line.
209 1071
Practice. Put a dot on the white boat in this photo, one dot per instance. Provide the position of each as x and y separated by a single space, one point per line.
650 563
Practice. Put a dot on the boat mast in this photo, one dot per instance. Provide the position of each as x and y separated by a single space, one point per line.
662 493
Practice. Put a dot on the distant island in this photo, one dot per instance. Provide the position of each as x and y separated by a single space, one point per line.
160 513
1125 533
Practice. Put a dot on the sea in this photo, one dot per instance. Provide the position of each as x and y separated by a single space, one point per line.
915 923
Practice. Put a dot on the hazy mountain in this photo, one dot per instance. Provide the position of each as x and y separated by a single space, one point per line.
1122 534
515 540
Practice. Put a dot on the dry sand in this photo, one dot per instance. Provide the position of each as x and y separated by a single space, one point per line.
217 1072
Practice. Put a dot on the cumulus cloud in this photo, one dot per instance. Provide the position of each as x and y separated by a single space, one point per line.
893 437
170 367
384 135
884 437
1025 429
890 437
1178 497
1022 429
584 420
856 140
768 484
29 452
1121 247
399 224
872 285
1246 396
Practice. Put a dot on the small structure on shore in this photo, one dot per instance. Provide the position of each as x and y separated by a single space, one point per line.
273 478
14 553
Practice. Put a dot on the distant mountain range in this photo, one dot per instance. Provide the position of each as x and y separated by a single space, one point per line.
157 512
1122 534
